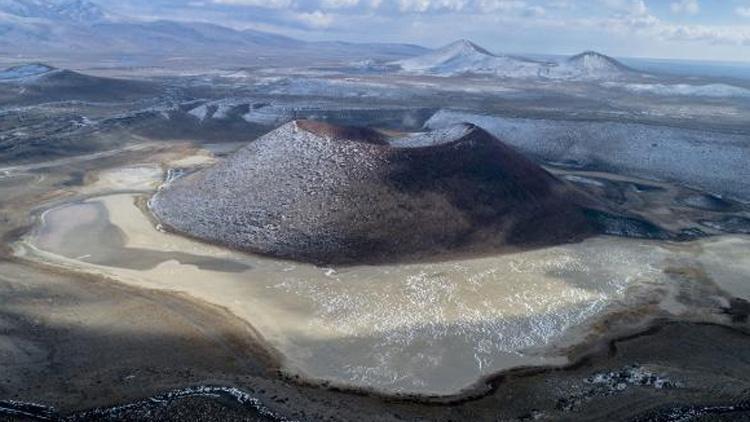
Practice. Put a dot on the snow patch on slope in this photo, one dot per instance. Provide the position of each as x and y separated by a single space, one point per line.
349 87
591 65
464 56
270 114
201 112
431 138
25 71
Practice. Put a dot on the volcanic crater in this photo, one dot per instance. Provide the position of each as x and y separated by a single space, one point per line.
326 194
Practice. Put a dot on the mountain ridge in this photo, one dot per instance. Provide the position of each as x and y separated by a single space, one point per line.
58 28
465 57
35 82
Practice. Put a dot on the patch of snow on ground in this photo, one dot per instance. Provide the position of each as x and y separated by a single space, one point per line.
716 90
436 327
631 376
201 112
583 180
432 138
222 112
268 115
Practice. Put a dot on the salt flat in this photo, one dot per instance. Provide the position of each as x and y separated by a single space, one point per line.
426 328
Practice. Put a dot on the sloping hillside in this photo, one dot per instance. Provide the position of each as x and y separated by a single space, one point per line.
329 194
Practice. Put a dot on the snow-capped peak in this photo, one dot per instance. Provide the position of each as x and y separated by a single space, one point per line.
464 47
591 65
460 50
463 56
592 61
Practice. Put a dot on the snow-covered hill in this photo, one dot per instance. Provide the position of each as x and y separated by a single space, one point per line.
591 65
463 56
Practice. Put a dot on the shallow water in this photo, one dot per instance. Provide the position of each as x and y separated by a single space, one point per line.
432 328
71 231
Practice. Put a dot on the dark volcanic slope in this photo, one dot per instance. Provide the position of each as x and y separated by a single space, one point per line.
41 83
315 192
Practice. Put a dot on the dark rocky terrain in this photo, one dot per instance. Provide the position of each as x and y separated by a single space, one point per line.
30 84
329 194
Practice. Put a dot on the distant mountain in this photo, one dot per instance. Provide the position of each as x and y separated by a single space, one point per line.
39 82
80 28
591 65
465 57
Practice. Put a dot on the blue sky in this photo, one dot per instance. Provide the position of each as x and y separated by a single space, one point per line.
692 29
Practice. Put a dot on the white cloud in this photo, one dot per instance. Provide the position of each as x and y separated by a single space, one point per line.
488 6
560 4
269 4
634 17
428 5
631 7
338 4
711 34
743 11
519 8
314 20
534 11
689 7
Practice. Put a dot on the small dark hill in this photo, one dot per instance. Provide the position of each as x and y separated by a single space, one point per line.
24 71
42 83
326 194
